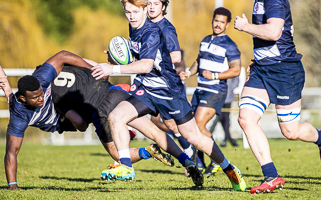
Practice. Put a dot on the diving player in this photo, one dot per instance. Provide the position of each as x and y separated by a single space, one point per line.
33 105
276 76
157 88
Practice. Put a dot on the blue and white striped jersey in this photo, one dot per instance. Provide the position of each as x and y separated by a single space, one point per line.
271 52
214 55
170 35
45 118
148 42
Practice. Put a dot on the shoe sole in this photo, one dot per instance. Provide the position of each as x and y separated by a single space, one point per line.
279 186
113 177
157 154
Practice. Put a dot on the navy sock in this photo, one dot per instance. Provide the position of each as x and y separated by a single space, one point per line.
143 154
199 163
183 142
126 161
269 170
181 158
200 155
318 142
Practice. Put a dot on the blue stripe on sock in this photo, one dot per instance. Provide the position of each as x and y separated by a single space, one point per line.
181 158
126 161
143 154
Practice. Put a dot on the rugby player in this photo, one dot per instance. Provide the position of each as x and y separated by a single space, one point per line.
33 105
276 76
157 88
218 60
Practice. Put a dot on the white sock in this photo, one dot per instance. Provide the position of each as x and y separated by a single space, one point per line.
189 151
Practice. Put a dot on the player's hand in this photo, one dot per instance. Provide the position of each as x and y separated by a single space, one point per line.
207 74
183 75
248 69
101 70
241 22
109 59
14 187
3 81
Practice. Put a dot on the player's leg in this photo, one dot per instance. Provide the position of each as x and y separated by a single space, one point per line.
204 143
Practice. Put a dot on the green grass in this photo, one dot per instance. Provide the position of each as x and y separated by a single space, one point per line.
73 172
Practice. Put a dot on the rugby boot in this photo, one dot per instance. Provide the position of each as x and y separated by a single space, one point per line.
236 179
212 169
157 154
121 172
193 157
268 185
194 173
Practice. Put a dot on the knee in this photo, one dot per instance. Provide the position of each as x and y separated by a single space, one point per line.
172 127
244 122
114 117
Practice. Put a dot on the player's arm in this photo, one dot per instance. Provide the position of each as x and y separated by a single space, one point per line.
142 66
4 84
192 70
66 57
272 30
176 56
76 120
234 70
13 145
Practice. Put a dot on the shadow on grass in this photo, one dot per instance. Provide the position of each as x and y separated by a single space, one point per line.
159 171
86 180
98 189
100 154
285 176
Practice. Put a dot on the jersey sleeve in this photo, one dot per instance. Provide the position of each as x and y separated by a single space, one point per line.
150 44
275 8
232 52
17 125
45 74
170 36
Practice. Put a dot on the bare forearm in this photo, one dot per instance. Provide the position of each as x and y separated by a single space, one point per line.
193 68
139 67
233 71
10 162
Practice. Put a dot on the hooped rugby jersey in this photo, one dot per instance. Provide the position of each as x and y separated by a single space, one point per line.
170 35
271 52
162 81
214 55
45 118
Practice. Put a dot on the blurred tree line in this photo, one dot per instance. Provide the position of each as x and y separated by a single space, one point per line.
33 30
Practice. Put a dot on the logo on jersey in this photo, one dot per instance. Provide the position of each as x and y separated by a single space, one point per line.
203 101
133 87
140 92
48 91
135 46
282 97
175 112
259 8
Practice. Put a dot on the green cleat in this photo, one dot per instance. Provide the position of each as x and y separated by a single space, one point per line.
236 179
157 154
122 172
212 169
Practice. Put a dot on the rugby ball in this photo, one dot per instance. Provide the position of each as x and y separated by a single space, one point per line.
119 51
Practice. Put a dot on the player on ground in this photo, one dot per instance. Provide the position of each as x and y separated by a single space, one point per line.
32 105
276 76
157 88
217 61
156 11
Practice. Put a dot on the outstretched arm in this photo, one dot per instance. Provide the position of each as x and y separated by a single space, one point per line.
66 57
76 120
4 84
13 145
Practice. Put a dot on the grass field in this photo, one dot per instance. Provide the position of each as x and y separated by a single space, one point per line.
73 172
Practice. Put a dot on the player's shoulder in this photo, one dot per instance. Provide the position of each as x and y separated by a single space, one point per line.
228 40
207 38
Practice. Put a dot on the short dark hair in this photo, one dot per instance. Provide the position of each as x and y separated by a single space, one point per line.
28 83
223 11
165 3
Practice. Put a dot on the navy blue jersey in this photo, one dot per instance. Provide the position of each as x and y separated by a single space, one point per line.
45 118
162 81
214 55
271 52
170 35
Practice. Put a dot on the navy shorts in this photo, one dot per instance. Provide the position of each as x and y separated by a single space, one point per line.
178 109
208 99
283 81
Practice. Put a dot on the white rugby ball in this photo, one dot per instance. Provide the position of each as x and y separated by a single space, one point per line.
119 51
